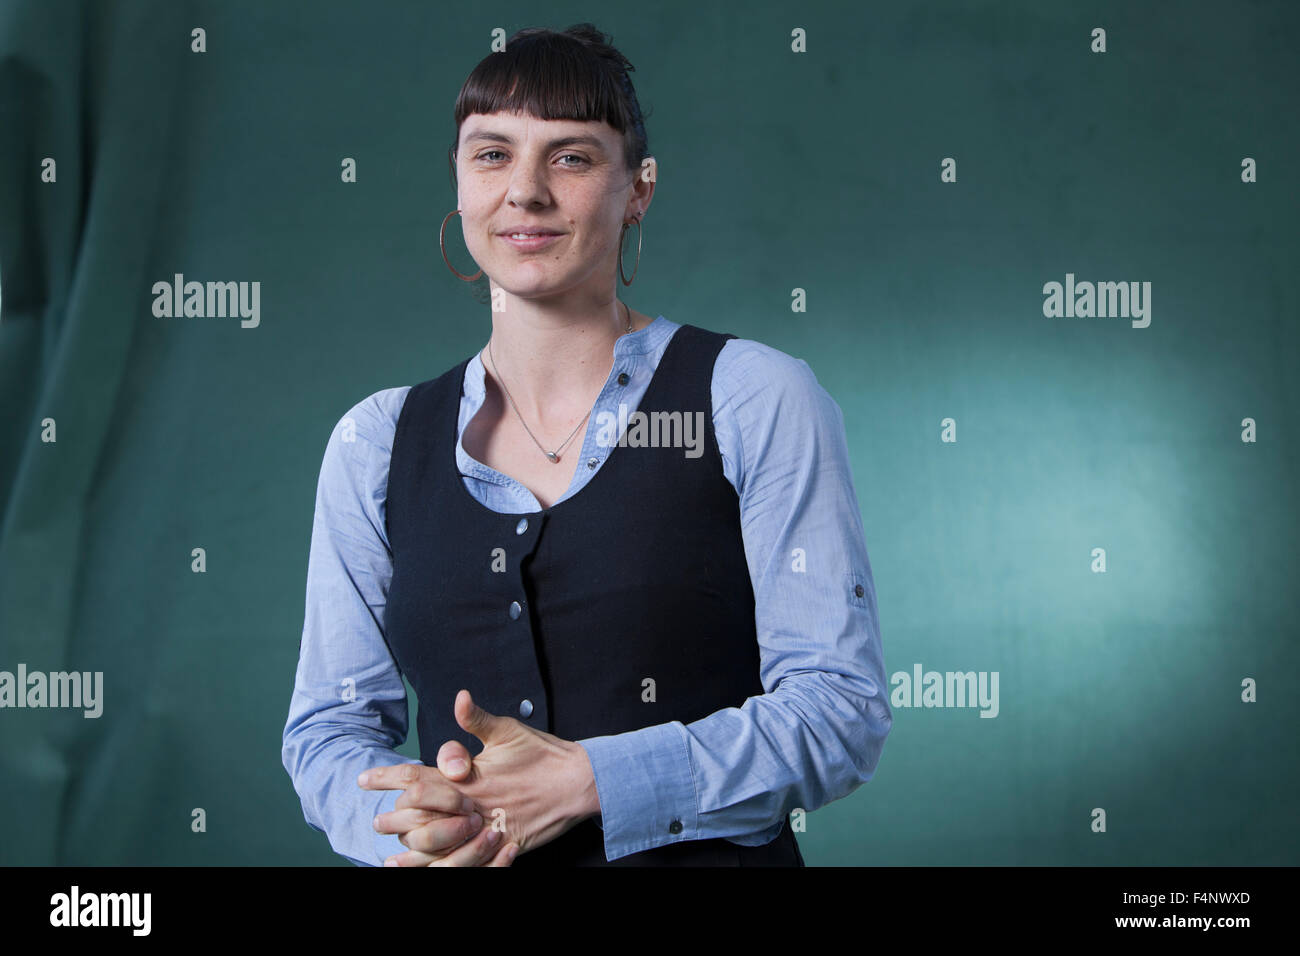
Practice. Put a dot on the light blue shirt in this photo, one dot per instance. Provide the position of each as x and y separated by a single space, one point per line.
814 736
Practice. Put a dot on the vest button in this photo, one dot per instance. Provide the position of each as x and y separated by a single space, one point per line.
525 707
622 378
675 826
858 590
522 526
514 610
591 462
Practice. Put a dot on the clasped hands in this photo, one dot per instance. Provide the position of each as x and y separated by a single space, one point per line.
526 788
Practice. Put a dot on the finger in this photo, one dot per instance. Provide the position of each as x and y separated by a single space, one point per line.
439 796
477 721
410 858
410 818
442 836
392 777
476 852
430 790
424 787
454 760
506 856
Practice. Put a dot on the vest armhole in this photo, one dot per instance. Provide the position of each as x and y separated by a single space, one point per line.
398 428
713 436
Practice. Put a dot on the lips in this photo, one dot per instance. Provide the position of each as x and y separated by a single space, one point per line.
537 241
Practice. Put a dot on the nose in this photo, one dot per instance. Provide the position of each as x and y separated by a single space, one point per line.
527 185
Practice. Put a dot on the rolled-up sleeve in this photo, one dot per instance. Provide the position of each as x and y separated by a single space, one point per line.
818 731
348 709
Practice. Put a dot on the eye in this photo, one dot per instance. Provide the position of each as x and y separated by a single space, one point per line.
581 160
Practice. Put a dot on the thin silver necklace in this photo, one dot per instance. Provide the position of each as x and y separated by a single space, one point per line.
552 456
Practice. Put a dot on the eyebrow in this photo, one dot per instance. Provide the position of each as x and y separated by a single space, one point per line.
492 136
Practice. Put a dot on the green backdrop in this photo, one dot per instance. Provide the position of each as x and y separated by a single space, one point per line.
779 170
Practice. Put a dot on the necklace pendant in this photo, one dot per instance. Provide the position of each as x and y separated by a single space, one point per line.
553 456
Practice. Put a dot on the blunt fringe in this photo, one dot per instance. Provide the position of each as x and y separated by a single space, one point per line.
573 75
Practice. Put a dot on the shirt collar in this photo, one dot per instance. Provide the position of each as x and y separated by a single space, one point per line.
641 342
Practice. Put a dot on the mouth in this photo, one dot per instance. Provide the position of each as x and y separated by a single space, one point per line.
529 240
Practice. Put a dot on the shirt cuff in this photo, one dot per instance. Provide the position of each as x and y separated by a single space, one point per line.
646 788
387 844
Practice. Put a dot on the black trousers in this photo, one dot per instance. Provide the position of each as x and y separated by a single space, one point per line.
584 845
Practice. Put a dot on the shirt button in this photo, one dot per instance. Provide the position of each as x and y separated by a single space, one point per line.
515 609
675 826
591 463
525 707
622 378
522 526
858 590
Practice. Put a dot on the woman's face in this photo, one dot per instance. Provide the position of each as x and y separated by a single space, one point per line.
566 178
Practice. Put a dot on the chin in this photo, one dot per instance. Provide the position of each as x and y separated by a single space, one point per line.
527 283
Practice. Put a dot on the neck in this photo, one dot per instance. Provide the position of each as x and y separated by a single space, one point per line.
554 363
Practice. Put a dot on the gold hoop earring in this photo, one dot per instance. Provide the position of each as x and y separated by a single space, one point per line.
627 281
442 244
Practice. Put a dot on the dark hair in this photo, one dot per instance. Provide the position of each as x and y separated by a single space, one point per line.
574 75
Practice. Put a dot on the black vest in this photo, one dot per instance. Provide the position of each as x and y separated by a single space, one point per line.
557 617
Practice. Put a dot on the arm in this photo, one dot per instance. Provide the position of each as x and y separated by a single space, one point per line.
817 733
348 709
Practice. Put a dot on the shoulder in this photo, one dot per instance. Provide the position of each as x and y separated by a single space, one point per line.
354 469
769 410
361 442
372 421
750 355
755 377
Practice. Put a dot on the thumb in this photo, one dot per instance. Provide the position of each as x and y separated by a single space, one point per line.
454 761
474 719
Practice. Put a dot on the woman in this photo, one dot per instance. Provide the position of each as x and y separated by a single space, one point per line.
627 552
